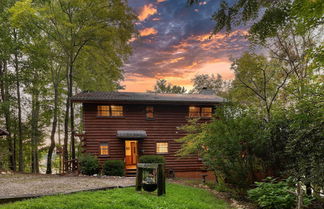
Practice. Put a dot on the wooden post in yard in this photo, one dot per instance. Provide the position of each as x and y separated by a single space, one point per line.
161 180
139 179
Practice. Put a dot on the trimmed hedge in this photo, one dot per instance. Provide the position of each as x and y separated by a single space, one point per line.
89 164
151 159
114 168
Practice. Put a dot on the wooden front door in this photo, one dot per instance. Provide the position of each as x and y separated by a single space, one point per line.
131 154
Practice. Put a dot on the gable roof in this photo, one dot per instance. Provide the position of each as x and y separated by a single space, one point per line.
3 132
136 97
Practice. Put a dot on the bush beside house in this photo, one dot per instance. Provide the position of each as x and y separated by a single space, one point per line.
151 159
114 168
89 164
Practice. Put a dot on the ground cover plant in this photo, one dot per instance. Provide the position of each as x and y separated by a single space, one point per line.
178 196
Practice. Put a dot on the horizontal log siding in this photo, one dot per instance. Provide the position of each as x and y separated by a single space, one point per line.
162 129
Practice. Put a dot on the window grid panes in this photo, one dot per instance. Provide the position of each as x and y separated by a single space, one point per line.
162 147
110 110
206 112
104 149
116 110
149 112
194 112
104 110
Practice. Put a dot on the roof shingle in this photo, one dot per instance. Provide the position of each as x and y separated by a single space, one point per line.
145 97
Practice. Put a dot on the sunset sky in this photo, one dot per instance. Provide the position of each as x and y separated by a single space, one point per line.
174 44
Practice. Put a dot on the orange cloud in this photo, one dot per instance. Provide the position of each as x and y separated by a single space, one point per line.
148 31
159 1
176 60
147 11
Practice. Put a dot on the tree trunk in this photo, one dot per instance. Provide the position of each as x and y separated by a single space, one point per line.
54 124
66 129
299 196
20 140
34 131
72 113
4 88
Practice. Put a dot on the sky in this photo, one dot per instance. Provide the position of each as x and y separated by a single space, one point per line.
174 44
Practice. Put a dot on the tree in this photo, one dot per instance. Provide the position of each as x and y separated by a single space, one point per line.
162 86
76 26
263 79
210 82
234 145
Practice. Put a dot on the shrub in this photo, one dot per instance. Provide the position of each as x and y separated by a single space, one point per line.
275 195
89 164
272 195
151 159
114 168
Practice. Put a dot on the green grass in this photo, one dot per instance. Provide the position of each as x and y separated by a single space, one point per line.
178 196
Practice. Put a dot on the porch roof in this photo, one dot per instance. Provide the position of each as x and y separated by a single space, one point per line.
131 134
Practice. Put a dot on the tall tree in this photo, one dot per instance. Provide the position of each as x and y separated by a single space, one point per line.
6 81
75 26
162 86
210 82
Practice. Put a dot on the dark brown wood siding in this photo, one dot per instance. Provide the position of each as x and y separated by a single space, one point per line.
163 128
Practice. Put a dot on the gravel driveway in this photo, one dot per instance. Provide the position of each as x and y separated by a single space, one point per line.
19 185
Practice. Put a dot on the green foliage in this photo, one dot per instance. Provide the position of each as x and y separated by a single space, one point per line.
306 142
162 86
178 196
89 164
211 82
235 145
272 194
114 168
151 159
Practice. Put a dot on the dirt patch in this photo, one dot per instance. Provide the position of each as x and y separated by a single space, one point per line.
17 185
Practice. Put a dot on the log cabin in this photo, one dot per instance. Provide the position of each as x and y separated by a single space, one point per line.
126 125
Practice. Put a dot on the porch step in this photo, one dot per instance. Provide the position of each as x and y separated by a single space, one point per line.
130 172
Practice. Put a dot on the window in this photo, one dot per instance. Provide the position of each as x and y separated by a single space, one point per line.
206 112
194 112
104 148
104 110
110 111
149 112
162 147
116 110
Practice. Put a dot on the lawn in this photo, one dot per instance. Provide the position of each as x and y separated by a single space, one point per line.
178 196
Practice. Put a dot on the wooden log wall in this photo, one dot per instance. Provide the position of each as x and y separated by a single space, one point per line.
163 128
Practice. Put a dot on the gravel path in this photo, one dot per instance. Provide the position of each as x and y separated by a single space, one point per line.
18 185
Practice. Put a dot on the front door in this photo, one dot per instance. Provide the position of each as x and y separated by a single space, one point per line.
131 154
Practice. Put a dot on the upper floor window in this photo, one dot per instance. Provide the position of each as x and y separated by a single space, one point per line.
149 112
204 112
110 110
116 110
194 112
103 110
162 147
104 148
